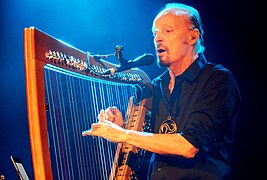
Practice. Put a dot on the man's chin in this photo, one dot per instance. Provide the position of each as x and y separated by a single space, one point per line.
162 63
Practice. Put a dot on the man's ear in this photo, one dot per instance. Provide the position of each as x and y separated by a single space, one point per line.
194 36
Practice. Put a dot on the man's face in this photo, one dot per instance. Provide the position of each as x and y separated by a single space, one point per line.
171 37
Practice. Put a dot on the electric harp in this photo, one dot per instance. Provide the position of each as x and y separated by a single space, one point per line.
65 89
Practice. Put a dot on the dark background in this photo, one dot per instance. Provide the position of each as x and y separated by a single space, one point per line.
232 37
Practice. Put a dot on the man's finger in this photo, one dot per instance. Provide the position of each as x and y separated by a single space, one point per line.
87 132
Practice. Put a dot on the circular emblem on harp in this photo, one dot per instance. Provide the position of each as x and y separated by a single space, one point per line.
168 126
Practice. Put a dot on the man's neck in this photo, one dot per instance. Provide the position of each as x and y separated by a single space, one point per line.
178 68
172 81
181 65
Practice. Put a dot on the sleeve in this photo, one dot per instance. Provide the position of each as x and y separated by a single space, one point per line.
211 123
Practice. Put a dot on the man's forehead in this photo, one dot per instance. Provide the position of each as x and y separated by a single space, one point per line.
167 18
173 11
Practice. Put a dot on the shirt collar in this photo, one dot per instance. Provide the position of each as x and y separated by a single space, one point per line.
192 71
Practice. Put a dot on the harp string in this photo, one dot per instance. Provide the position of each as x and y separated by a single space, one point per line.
116 104
86 122
51 115
89 102
82 108
75 124
98 159
99 140
73 104
66 158
103 97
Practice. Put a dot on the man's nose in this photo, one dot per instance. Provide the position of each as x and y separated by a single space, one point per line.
158 38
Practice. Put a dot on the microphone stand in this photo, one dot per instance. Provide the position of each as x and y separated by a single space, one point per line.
118 52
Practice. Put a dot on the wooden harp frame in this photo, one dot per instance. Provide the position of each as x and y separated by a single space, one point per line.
41 49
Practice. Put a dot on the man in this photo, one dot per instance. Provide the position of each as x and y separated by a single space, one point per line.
194 105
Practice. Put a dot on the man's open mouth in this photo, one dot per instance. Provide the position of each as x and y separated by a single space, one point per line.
161 50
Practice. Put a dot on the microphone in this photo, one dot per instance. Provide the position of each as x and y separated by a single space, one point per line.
144 60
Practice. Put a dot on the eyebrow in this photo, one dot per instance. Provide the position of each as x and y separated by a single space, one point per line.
153 29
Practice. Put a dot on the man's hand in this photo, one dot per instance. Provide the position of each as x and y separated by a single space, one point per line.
108 130
109 126
111 114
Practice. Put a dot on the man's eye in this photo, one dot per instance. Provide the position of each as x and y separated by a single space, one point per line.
167 31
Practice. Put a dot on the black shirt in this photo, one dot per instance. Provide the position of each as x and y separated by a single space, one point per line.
203 108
